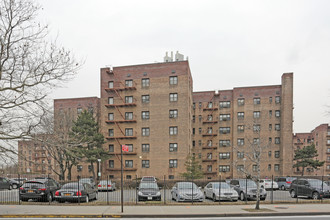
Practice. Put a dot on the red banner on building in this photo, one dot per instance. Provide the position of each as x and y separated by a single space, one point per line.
124 148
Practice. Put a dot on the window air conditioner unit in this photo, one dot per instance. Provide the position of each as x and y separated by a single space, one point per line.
171 116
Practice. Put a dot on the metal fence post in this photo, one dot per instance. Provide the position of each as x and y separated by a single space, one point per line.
136 190
322 190
296 189
219 189
108 189
272 192
246 190
78 190
19 189
49 200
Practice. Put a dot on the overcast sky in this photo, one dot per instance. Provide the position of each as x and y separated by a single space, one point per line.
229 44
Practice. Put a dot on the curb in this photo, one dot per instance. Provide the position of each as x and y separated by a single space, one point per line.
169 215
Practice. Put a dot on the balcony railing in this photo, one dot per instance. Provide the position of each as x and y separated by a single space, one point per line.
209 160
120 137
209 134
120 105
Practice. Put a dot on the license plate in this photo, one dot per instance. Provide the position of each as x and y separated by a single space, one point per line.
67 194
149 198
30 191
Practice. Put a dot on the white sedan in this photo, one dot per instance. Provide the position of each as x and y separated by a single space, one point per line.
267 184
225 192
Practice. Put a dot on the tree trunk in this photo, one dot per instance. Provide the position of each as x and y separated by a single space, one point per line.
93 171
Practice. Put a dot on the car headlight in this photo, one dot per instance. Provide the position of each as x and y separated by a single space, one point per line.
158 194
140 193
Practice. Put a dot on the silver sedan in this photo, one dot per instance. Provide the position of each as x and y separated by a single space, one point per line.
186 191
212 191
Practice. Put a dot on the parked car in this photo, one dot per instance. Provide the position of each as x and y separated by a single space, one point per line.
268 183
74 192
39 189
149 191
90 181
310 188
186 191
247 188
5 183
284 182
106 185
212 191
148 179
21 181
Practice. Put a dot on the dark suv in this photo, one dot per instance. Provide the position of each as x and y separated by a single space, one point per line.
310 188
39 189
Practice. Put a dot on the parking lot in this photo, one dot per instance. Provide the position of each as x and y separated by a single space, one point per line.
130 197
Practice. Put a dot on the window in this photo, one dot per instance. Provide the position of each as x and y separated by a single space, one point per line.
91 110
111 133
256 114
210 117
256 140
129 83
128 115
269 153
193 118
79 110
256 101
129 163
145 147
110 84
224 104
209 143
145 82
128 177
130 147
277 140
254 168
110 117
224 117
128 131
209 156
240 167
224 155
173 113
173 130
240 141
328 141
224 130
173 80
173 163
79 168
145 99
145 164
270 113
199 105
145 115
270 99
210 105
269 167
171 177
209 168
173 147
90 168
194 105
256 128
193 143
199 118
240 128
270 127
199 130
128 99
269 140
277 99
277 113
240 155
240 102
240 115
193 131
277 127
110 100
209 130
277 167
224 168
111 148
277 154
145 132
224 143
173 97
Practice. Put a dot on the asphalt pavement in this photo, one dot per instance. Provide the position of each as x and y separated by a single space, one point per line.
156 211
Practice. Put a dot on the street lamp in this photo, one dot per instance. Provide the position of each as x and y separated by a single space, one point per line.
99 169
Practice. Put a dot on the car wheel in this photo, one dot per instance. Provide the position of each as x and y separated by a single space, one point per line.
242 197
214 198
15 186
24 199
293 194
282 187
315 195
87 199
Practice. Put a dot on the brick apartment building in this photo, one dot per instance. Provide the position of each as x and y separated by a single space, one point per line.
35 158
153 110
320 137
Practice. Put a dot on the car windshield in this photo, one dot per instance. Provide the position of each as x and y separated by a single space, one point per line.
248 183
223 186
148 179
317 183
148 186
187 185
33 185
104 182
72 186
85 180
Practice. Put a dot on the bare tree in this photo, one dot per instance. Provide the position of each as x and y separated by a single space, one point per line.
30 67
254 154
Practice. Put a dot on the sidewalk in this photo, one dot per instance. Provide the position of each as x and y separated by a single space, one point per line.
82 211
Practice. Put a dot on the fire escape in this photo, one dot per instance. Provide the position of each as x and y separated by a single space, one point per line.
120 104
211 146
